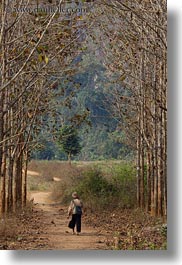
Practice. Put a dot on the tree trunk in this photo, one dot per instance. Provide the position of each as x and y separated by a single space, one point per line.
25 179
69 158
149 173
18 183
3 186
2 97
138 169
10 186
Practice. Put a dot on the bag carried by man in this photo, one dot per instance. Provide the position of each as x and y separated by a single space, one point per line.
71 224
78 209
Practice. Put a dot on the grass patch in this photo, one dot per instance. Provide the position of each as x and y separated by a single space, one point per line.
38 184
48 171
100 186
109 190
96 191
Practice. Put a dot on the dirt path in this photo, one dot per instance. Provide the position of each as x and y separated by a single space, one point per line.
55 231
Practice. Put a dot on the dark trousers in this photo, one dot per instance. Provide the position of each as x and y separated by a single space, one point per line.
76 218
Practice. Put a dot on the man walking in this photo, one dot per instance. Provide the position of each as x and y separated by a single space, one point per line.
75 209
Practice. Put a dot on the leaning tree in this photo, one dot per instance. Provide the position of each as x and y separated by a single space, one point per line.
36 50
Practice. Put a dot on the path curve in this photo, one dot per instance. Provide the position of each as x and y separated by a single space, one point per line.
55 231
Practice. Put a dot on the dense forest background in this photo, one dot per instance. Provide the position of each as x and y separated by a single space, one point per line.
89 110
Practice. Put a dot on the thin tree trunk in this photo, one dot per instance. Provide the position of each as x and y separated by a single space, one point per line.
25 179
18 183
138 169
155 143
69 158
149 173
161 150
2 123
152 184
165 136
10 186
3 186
142 114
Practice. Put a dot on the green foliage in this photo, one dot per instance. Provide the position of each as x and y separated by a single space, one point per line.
124 178
164 230
69 140
102 190
95 184
98 145
125 172
96 192
47 150
83 102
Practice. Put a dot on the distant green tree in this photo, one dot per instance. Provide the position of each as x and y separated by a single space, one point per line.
69 141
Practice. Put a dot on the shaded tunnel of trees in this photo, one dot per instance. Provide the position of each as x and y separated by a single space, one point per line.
41 53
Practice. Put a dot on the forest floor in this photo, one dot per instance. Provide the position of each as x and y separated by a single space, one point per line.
44 226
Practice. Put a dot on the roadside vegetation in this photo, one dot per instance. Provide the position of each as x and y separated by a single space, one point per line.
100 184
108 190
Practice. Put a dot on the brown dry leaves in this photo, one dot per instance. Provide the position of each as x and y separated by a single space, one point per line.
129 229
124 229
22 231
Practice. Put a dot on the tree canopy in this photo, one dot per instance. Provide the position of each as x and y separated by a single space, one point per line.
69 141
49 78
